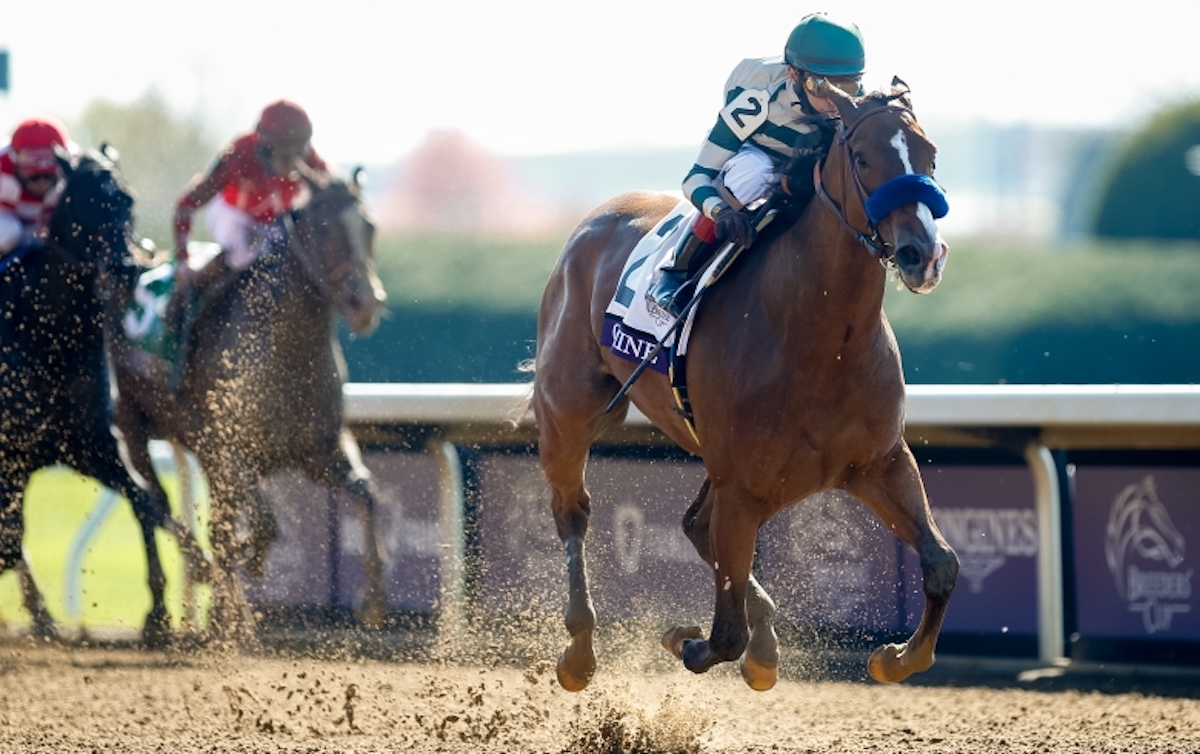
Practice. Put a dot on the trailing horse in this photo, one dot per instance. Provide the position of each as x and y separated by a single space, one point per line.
261 387
56 402
794 382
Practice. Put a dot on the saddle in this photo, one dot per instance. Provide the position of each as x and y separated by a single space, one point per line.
637 330
146 319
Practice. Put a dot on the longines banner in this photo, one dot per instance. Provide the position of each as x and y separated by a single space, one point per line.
1135 532
988 514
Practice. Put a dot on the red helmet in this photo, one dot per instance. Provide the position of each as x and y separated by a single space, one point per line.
284 119
34 142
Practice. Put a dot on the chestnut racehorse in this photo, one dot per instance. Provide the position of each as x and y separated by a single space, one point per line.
794 379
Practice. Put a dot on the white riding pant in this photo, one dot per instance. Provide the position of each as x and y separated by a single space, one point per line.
11 231
242 238
747 176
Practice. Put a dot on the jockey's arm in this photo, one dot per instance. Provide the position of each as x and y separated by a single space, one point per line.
201 190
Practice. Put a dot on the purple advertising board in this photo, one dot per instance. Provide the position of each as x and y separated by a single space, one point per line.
988 514
318 557
639 561
299 564
1133 570
828 561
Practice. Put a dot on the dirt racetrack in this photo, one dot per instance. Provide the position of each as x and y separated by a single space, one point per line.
75 698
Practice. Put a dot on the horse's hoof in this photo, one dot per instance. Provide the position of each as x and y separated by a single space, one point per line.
43 629
887 664
577 663
156 631
697 655
374 614
256 564
673 639
199 567
759 677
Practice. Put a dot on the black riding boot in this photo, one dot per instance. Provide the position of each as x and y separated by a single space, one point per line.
687 255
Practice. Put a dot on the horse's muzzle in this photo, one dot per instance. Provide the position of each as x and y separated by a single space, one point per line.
921 252
363 305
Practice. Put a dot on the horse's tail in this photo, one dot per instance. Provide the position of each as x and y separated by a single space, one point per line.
515 415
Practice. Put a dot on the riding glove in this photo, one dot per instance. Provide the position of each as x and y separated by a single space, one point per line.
734 226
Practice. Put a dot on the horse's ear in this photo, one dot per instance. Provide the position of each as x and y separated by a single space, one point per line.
901 91
358 177
110 152
64 162
820 86
316 181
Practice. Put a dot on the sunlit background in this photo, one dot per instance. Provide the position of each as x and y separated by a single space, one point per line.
490 129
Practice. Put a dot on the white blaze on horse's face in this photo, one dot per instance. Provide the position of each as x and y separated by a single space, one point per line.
900 143
364 292
933 270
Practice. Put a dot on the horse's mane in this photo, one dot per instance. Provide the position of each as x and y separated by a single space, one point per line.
101 173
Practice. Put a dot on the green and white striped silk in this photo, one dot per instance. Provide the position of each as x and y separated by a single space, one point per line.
760 108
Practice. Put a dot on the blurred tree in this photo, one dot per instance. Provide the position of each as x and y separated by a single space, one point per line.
159 150
1153 187
453 186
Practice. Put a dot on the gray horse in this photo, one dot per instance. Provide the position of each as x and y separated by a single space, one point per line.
261 388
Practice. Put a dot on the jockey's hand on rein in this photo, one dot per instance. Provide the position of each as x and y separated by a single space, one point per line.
735 226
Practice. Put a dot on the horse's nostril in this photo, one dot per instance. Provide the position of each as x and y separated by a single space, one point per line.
908 256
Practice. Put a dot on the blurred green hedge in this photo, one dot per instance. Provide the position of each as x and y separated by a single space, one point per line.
463 310
1152 189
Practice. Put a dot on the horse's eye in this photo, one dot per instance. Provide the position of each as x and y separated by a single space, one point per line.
860 162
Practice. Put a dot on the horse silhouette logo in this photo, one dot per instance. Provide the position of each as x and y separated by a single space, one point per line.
1139 528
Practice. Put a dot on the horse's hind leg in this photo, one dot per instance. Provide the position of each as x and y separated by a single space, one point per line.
12 553
564 437
264 530
151 512
31 597
894 491
760 662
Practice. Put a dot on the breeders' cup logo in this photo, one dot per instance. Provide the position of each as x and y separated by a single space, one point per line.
1139 528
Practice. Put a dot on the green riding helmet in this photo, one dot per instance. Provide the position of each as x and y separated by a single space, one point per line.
826 47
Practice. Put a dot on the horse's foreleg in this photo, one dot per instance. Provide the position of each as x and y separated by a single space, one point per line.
760 663
375 606
894 491
231 618
350 473
733 531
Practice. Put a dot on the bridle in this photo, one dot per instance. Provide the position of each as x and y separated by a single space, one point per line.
902 189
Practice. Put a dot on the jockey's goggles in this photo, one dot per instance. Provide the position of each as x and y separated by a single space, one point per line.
851 85
36 161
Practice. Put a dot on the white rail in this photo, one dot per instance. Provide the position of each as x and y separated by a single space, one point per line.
1060 416
928 405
